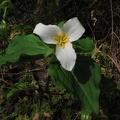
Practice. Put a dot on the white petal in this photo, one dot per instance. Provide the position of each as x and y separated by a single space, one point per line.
66 56
73 29
47 32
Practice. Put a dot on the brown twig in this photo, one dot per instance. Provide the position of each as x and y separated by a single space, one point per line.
8 83
112 21
115 62
33 70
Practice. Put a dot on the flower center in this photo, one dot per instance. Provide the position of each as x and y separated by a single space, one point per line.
61 40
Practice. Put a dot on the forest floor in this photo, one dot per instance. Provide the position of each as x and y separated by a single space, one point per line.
101 21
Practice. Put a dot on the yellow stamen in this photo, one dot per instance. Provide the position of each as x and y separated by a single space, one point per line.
61 40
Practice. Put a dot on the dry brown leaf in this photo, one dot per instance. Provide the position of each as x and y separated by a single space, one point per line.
36 117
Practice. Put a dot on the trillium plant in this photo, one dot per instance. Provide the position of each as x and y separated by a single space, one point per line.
68 57
71 31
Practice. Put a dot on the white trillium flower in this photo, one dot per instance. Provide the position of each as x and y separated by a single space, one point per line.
71 31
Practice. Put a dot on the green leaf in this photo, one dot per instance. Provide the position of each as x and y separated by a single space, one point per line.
6 3
85 44
61 24
30 45
22 85
12 92
88 74
3 29
2 60
83 83
62 77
